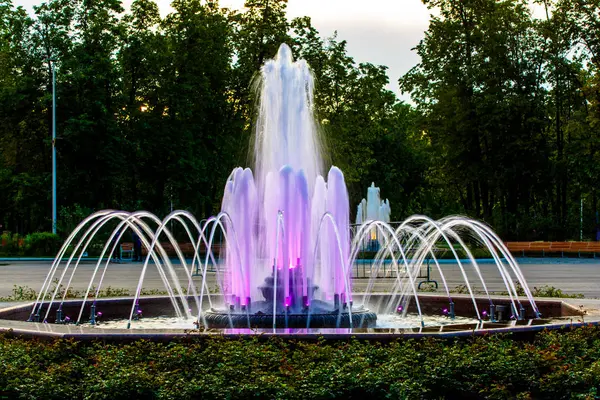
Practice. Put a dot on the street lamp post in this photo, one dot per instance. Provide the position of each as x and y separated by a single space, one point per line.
581 220
51 60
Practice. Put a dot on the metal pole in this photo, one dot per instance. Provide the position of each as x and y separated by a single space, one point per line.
581 221
53 148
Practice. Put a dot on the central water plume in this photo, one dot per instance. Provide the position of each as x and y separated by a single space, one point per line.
290 227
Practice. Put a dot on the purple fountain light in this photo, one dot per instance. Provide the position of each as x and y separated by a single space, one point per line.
286 220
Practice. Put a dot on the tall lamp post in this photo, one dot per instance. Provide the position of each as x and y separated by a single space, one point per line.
52 60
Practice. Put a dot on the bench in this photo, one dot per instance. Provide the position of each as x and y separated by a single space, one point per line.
554 247
126 251
515 247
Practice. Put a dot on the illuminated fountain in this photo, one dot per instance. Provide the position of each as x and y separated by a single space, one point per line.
373 209
291 225
288 252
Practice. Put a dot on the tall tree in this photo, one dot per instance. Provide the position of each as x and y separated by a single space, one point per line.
196 88
142 57
24 143
369 134
479 87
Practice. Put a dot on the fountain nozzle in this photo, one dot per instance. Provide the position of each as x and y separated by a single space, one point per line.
521 312
93 314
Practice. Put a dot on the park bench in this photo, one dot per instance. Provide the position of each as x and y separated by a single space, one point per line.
518 247
560 247
579 247
586 247
547 248
126 251
539 247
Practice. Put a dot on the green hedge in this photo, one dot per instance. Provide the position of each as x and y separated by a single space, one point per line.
553 366
37 244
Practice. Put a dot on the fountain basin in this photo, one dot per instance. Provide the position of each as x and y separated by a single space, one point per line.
557 315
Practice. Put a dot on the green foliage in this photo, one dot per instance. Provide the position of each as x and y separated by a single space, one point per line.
42 244
155 111
505 101
70 217
25 293
555 365
368 134
544 291
21 293
11 244
36 244
427 287
551 291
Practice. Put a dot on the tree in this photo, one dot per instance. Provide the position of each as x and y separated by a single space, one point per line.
258 32
198 105
480 90
24 144
142 57
575 70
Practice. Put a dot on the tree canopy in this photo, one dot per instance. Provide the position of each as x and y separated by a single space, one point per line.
154 112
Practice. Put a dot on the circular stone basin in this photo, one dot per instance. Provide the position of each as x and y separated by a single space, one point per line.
158 321
383 321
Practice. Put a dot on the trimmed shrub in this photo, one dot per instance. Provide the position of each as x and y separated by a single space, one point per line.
12 244
554 365
42 244
37 244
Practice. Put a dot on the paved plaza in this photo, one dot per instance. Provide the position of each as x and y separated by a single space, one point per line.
569 275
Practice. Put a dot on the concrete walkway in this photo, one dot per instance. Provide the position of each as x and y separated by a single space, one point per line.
569 275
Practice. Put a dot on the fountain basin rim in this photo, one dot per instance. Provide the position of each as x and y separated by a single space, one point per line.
549 307
87 333
84 332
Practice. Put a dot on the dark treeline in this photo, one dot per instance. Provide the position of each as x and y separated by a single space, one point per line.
510 107
155 112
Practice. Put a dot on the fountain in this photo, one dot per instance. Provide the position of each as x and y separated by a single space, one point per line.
373 209
291 225
288 253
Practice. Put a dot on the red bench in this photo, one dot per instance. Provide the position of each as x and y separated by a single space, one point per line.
554 247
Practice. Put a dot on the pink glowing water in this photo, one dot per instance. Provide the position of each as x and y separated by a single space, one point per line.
286 214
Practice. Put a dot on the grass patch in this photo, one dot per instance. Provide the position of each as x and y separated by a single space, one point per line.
25 293
544 291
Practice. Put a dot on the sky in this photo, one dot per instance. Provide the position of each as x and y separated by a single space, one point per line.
377 31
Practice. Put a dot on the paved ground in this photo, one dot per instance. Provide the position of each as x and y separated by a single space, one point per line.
570 275
125 276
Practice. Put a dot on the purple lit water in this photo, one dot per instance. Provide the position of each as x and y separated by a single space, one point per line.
285 215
